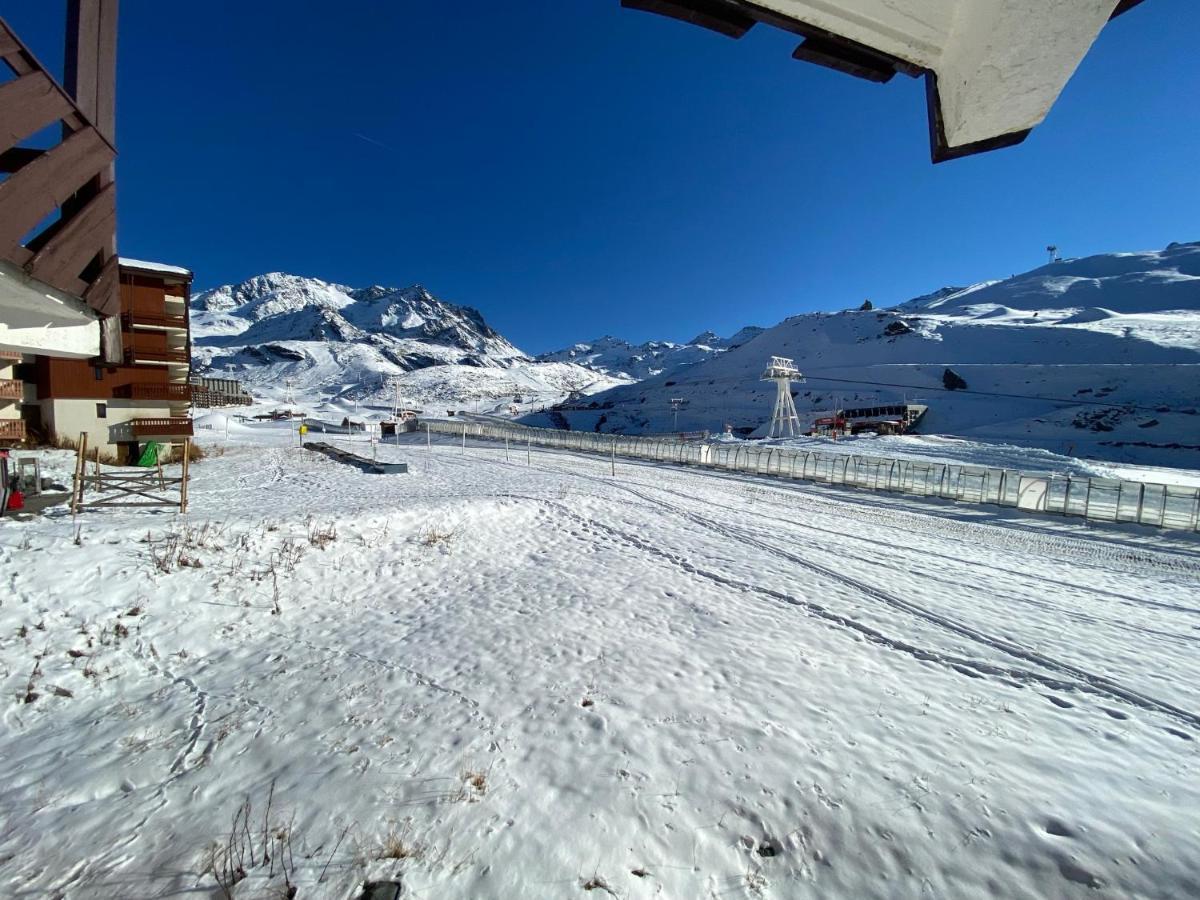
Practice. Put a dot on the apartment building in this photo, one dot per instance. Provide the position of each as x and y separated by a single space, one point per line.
146 396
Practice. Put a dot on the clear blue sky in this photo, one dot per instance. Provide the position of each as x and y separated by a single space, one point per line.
574 169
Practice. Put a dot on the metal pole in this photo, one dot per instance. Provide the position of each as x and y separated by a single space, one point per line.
506 448
464 443
528 455
613 458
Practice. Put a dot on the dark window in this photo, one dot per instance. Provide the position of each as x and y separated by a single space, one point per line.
101 410
99 373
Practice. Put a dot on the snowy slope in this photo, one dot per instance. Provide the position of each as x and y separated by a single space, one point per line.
612 356
493 680
333 341
1113 341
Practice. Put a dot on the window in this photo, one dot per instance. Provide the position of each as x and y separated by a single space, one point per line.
99 372
101 410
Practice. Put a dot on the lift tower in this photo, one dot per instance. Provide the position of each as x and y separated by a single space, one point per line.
784 421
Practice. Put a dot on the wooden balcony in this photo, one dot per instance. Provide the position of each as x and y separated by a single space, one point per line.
136 354
154 320
75 251
10 356
12 430
176 393
167 427
12 389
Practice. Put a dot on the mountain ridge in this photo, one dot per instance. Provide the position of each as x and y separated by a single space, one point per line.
1119 332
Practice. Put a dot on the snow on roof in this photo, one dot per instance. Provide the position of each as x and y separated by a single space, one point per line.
157 268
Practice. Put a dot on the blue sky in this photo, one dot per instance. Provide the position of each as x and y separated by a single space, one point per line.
574 169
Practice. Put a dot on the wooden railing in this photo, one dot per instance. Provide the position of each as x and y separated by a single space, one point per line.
154 320
11 389
164 427
181 393
156 354
12 430
76 252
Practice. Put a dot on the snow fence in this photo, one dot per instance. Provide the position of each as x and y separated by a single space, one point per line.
1099 499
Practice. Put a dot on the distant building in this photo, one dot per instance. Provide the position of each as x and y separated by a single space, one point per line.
208 393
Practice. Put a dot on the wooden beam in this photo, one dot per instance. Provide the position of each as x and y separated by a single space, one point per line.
104 296
8 44
27 105
727 17
79 57
86 234
106 79
90 60
22 61
31 194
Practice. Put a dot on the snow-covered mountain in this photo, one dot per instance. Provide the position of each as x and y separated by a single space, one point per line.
331 341
612 356
1096 356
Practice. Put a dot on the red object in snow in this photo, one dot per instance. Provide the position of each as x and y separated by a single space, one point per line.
16 500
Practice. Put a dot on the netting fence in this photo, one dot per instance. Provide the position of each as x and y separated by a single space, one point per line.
1098 499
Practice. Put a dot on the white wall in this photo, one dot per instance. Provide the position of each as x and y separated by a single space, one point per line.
68 418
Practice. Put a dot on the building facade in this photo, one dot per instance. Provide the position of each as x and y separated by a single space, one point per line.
145 397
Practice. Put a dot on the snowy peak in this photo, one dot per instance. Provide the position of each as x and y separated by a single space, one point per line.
615 357
712 339
277 307
271 294
1113 283
747 334
333 343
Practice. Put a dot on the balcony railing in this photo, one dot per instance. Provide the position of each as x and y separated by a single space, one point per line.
9 356
165 427
12 430
11 389
154 320
156 354
180 393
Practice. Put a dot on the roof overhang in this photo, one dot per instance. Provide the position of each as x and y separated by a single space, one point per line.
40 319
993 67
141 266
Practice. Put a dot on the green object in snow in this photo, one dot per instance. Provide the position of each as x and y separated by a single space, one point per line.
149 456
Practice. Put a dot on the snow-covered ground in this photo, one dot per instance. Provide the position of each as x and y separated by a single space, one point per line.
501 680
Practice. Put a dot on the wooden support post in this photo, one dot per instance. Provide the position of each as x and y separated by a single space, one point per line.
80 473
183 485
